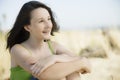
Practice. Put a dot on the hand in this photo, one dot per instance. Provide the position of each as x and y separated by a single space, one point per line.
42 64
85 66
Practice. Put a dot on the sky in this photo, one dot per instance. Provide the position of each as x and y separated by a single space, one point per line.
70 14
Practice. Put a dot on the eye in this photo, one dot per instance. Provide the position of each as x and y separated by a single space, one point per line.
40 21
49 18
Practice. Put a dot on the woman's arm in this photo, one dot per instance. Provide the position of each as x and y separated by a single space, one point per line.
61 70
41 64
73 76
61 50
24 59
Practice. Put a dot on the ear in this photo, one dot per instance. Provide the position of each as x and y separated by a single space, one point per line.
27 28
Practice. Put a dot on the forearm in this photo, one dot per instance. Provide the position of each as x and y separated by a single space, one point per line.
73 76
60 70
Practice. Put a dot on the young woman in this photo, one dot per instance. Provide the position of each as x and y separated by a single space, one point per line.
34 54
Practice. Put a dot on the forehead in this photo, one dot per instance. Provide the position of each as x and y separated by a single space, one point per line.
40 13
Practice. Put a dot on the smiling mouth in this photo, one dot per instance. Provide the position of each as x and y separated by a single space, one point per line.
45 32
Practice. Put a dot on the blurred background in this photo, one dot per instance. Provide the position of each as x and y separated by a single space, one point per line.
89 28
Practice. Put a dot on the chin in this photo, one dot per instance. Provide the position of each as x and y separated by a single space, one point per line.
47 37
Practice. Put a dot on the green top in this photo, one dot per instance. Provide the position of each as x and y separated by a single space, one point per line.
18 73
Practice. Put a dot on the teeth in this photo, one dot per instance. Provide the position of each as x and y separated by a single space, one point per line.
45 32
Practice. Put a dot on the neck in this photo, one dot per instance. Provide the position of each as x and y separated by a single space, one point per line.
36 43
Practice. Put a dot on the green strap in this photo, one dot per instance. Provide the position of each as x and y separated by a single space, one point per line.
50 46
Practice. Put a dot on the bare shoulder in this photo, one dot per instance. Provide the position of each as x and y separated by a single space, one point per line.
15 48
20 54
57 45
61 49
18 50
54 43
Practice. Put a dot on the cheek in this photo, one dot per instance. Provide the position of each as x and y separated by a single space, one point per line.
38 27
37 31
51 24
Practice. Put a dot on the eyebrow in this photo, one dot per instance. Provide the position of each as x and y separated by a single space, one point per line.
42 18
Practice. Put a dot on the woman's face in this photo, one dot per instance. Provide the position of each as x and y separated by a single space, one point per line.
40 24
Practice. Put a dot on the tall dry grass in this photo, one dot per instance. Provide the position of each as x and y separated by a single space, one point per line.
4 59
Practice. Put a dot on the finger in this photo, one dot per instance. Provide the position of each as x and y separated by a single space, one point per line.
37 69
34 69
33 66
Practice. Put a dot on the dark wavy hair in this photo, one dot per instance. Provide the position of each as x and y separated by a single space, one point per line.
18 34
